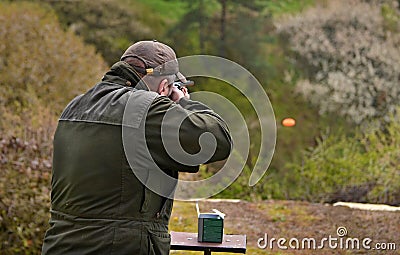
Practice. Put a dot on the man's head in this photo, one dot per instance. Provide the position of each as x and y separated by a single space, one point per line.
156 62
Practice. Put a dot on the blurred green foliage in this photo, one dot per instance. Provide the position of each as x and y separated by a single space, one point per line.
359 168
278 8
110 26
251 41
391 17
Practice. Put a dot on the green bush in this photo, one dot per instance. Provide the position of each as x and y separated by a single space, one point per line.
362 168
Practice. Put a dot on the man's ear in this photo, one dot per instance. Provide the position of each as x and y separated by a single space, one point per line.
162 87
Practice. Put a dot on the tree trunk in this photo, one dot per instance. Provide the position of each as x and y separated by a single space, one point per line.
223 24
201 26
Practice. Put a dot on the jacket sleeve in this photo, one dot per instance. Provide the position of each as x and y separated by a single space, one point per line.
197 119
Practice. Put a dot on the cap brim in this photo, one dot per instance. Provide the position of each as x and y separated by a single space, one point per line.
180 77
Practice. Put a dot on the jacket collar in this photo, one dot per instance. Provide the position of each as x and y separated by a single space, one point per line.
123 74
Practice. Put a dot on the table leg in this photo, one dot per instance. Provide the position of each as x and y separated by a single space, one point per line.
207 252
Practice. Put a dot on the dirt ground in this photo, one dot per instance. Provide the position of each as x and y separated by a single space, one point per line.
297 220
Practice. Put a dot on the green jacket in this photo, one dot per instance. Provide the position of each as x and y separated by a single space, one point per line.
98 205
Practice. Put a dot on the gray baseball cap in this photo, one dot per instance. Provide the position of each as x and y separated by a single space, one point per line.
159 58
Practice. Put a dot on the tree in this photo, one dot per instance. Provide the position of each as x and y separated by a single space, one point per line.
252 5
189 35
222 28
111 26
228 28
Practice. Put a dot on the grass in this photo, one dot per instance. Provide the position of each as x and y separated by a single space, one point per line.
168 9
184 217
279 7
160 15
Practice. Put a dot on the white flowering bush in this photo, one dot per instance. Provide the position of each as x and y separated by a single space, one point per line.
351 59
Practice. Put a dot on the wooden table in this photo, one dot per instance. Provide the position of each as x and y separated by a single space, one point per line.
188 242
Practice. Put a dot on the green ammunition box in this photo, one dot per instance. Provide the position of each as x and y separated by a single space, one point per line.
210 227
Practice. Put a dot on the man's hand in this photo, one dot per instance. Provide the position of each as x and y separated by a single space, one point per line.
177 94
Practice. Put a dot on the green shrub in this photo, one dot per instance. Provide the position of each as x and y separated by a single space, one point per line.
362 168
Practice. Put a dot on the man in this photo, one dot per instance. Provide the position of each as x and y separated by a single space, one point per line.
99 203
